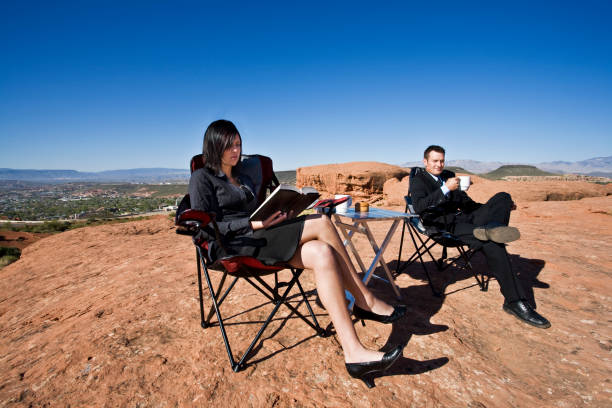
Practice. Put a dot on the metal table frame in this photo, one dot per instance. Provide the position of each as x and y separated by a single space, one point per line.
360 225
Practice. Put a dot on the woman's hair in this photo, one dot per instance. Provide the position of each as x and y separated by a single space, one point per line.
217 139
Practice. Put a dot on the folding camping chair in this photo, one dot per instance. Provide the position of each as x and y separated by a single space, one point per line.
436 236
189 222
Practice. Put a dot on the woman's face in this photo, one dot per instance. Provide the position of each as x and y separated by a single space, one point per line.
231 155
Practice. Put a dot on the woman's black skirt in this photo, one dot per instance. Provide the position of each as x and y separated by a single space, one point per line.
270 246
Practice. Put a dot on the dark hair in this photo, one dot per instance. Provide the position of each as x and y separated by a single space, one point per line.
433 148
217 139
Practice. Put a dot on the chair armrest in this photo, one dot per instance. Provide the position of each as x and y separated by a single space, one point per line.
189 222
330 202
431 212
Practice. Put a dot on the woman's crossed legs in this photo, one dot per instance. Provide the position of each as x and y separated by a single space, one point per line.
321 250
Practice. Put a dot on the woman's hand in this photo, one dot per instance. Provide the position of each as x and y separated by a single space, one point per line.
274 219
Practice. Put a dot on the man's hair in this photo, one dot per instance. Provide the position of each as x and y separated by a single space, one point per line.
433 148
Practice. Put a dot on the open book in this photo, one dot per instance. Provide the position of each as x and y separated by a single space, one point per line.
286 198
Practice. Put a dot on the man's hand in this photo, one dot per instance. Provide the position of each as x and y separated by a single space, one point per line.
274 219
452 183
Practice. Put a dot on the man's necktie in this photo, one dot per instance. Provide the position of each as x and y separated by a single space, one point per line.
440 182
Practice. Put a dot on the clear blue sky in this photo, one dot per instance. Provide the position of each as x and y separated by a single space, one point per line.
99 85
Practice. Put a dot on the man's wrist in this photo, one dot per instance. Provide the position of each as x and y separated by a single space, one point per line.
445 190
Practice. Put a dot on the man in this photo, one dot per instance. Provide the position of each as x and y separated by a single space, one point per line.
477 225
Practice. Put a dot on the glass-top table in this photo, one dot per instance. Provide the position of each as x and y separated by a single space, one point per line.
359 224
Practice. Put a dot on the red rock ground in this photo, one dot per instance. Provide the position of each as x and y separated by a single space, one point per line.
108 316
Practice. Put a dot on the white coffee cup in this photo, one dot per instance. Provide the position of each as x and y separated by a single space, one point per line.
464 183
345 205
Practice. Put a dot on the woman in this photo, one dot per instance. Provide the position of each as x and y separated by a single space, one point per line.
310 242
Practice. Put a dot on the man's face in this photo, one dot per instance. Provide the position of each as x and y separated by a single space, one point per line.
434 163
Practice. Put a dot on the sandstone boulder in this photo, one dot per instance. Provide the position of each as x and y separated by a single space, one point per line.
394 190
362 180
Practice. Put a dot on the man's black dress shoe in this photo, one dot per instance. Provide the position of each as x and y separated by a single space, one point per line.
525 312
398 312
365 371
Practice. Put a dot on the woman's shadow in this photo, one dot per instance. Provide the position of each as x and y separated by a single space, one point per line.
422 306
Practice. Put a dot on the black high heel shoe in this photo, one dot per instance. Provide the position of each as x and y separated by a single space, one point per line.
365 371
398 312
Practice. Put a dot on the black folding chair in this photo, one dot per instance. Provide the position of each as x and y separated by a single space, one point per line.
190 222
435 236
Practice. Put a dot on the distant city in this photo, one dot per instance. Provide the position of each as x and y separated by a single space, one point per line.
36 201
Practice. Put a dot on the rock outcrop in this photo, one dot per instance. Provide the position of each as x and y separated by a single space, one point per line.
362 180
386 184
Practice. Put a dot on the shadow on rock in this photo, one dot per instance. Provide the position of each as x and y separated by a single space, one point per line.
409 366
527 270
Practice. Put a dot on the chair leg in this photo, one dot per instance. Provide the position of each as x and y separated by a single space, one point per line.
466 257
282 299
272 293
221 298
220 320
399 255
317 327
275 298
419 254
443 257
202 321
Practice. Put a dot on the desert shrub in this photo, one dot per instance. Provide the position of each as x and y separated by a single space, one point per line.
8 255
4 251
49 226
7 260
61 226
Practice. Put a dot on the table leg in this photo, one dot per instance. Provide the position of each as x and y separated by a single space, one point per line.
378 258
348 239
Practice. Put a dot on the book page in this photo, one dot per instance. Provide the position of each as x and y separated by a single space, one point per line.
285 198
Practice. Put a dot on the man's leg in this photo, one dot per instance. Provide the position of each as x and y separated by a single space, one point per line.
492 218
496 210
499 265
497 261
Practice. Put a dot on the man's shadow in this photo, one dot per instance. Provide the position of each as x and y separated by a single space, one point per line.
422 304
527 271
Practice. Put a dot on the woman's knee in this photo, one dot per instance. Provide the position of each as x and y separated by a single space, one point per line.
321 255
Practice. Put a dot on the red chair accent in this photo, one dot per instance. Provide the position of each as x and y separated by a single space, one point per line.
190 222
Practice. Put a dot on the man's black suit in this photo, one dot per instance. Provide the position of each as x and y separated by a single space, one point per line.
460 214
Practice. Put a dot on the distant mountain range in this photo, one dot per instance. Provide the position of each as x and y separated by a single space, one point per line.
597 166
150 175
